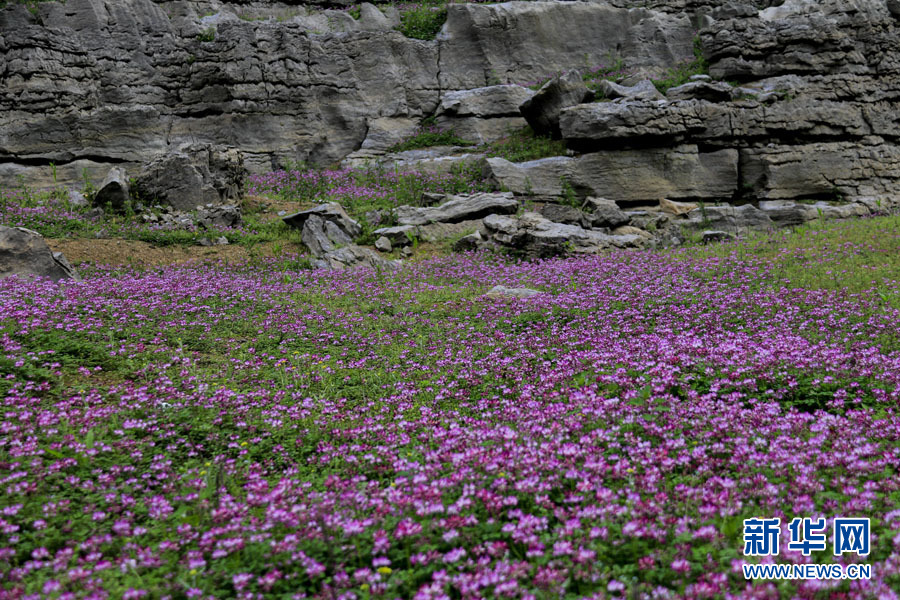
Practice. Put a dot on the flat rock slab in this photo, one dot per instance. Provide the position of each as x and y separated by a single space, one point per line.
491 101
650 174
459 208
400 235
499 291
542 177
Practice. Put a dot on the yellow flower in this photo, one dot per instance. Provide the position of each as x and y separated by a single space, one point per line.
193 571
243 444
384 570
364 587
208 464
203 472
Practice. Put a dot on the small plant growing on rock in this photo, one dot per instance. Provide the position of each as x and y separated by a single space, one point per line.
569 197
523 145
423 21
207 35
682 73
428 136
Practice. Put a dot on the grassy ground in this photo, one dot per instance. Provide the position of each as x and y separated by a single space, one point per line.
254 429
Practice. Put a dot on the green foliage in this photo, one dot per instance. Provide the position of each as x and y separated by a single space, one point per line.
31 5
428 137
523 145
569 196
207 35
614 72
423 21
88 188
682 73
355 12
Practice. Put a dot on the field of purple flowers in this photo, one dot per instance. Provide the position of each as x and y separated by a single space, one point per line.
213 431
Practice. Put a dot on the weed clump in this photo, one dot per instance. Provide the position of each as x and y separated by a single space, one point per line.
423 21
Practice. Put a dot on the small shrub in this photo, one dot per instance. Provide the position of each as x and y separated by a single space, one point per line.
523 145
423 21
429 136
682 73
614 72
207 35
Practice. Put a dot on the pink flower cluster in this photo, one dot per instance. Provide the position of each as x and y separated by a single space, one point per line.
208 432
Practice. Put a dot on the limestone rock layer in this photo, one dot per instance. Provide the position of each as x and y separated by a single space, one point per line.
90 83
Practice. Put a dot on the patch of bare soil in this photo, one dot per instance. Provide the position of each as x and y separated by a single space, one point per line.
138 253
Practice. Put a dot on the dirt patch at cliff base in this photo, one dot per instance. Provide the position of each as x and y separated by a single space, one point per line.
144 254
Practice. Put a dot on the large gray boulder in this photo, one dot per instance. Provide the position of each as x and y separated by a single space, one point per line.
844 171
399 235
543 108
459 208
322 236
213 216
485 102
328 232
713 91
726 124
192 176
533 235
350 257
331 212
25 253
114 191
605 213
561 213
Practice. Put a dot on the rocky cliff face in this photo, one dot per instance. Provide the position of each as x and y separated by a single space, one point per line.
810 110
801 102
89 83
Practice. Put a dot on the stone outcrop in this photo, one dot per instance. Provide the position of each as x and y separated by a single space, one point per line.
25 253
542 110
459 208
535 236
331 212
192 176
483 115
811 110
114 190
90 84
329 232
799 108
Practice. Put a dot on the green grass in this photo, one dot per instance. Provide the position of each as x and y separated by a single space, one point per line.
682 73
523 145
50 213
423 21
855 255
428 138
